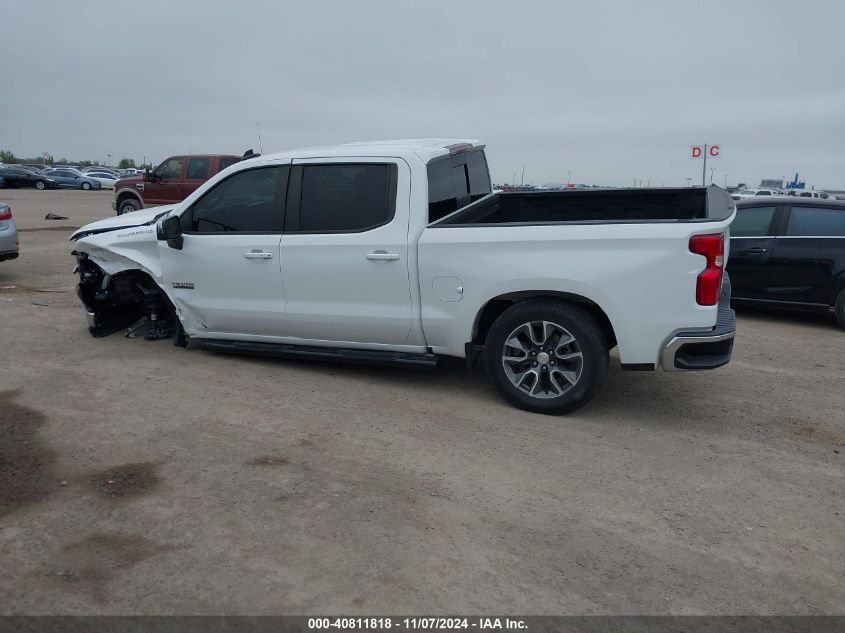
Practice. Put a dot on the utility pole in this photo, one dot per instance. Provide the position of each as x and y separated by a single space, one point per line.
704 169
712 169
109 163
523 174
569 178
514 179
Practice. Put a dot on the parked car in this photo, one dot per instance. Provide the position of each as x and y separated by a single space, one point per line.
8 234
753 193
105 179
810 193
20 177
790 253
172 181
397 252
72 179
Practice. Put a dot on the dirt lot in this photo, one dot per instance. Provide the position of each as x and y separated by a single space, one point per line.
136 477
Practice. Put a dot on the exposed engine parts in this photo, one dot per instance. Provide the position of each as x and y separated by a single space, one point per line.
129 300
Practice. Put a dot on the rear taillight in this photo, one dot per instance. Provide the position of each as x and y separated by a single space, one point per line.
709 284
6 214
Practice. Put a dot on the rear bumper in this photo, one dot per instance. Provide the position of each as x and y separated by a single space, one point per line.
686 351
8 255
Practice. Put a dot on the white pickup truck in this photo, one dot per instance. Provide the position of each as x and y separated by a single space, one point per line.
397 252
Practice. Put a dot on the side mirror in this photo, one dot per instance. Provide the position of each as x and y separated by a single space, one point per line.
170 229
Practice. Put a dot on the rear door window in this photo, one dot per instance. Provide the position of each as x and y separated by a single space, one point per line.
348 197
227 161
198 168
816 222
752 222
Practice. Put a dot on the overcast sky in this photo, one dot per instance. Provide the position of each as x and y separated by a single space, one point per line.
614 91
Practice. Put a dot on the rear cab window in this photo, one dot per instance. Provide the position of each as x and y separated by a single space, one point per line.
456 181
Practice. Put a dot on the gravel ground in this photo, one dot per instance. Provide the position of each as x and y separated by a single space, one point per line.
138 478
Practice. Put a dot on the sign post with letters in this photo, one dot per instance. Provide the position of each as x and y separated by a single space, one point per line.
705 151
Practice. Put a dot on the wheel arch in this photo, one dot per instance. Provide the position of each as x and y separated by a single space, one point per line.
491 310
124 194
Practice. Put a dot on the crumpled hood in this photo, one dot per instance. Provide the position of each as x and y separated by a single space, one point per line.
125 221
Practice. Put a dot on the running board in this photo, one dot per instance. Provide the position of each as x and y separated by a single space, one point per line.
333 354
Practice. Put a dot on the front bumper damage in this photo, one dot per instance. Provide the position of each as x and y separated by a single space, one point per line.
125 300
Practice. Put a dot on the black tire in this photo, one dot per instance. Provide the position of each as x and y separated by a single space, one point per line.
589 340
839 308
86 185
40 185
128 206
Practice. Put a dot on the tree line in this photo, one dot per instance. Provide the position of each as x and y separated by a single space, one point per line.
8 158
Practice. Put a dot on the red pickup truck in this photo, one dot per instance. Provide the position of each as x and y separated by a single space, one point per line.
172 181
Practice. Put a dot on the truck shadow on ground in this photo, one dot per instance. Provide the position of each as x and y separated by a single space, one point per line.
655 397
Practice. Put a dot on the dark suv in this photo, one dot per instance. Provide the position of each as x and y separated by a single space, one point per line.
789 253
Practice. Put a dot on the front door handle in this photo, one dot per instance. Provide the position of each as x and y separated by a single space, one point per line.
756 250
383 256
256 254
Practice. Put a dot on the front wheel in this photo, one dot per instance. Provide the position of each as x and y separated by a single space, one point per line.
546 356
128 206
839 308
40 185
86 185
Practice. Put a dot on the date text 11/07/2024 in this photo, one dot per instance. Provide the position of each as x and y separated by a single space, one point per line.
414 624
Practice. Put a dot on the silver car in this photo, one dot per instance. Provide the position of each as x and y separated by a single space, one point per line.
8 234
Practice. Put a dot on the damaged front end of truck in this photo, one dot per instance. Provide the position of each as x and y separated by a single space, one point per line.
117 267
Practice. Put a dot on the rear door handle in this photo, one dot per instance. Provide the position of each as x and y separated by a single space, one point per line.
256 254
757 250
383 256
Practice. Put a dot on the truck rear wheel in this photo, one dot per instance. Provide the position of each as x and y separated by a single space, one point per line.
546 356
128 205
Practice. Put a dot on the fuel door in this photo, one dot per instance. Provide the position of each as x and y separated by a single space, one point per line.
448 289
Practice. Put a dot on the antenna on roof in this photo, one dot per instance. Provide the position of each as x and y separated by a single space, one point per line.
260 147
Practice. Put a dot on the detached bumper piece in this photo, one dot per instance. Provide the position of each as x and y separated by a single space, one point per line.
704 350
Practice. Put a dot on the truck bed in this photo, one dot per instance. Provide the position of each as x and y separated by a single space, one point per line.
687 204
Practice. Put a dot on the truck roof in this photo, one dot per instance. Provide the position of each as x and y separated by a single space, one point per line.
425 149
